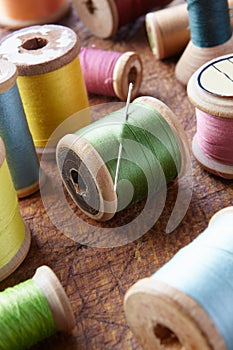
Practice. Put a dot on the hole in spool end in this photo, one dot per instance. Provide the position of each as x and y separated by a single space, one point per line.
167 338
78 183
132 77
90 6
35 43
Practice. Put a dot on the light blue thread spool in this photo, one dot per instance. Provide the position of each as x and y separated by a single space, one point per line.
188 303
20 151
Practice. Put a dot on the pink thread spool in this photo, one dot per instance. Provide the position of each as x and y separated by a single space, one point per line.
104 17
109 72
210 89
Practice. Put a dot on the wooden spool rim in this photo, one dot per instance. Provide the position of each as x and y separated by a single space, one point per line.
103 181
17 260
104 20
54 17
194 57
155 35
127 64
56 297
2 152
227 210
209 164
8 75
210 103
59 45
164 318
171 119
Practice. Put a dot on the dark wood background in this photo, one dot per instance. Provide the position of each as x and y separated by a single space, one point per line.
96 280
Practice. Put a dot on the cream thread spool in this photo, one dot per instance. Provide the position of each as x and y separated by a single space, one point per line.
50 79
15 236
24 13
164 317
211 91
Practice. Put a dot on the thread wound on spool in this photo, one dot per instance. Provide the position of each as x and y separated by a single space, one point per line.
183 310
116 13
30 311
50 78
109 73
210 90
14 235
87 161
211 36
21 155
27 13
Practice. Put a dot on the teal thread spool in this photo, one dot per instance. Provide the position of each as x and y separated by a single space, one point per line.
33 311
153 153
211 36
187 304
20 151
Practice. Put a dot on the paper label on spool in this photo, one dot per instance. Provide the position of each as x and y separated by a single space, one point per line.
217 77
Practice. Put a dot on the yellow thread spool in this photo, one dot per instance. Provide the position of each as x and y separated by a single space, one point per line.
50 78
15 237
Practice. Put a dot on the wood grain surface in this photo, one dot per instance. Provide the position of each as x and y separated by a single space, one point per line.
97 279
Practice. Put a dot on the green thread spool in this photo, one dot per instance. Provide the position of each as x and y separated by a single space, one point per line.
153 152
15 236
34 310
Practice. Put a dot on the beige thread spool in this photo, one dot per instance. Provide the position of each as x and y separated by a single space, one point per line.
15 235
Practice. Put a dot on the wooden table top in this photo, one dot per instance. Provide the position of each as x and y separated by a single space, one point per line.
95 279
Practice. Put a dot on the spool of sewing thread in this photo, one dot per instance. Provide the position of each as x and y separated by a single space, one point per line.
116 13
187 304
50 79
211 36
109 72
210 89
168 30
20 151
24 13
15 237
153 148
34 310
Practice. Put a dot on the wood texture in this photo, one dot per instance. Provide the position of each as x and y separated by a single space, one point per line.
97 279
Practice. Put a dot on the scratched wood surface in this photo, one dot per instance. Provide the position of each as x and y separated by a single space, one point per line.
96 279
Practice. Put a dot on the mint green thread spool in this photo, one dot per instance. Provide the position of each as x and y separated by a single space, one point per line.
34 310
87 159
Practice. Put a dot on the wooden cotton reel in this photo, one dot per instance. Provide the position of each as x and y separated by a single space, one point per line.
50 78
210 89
186 312
90 181
24 13
15 237
92 12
